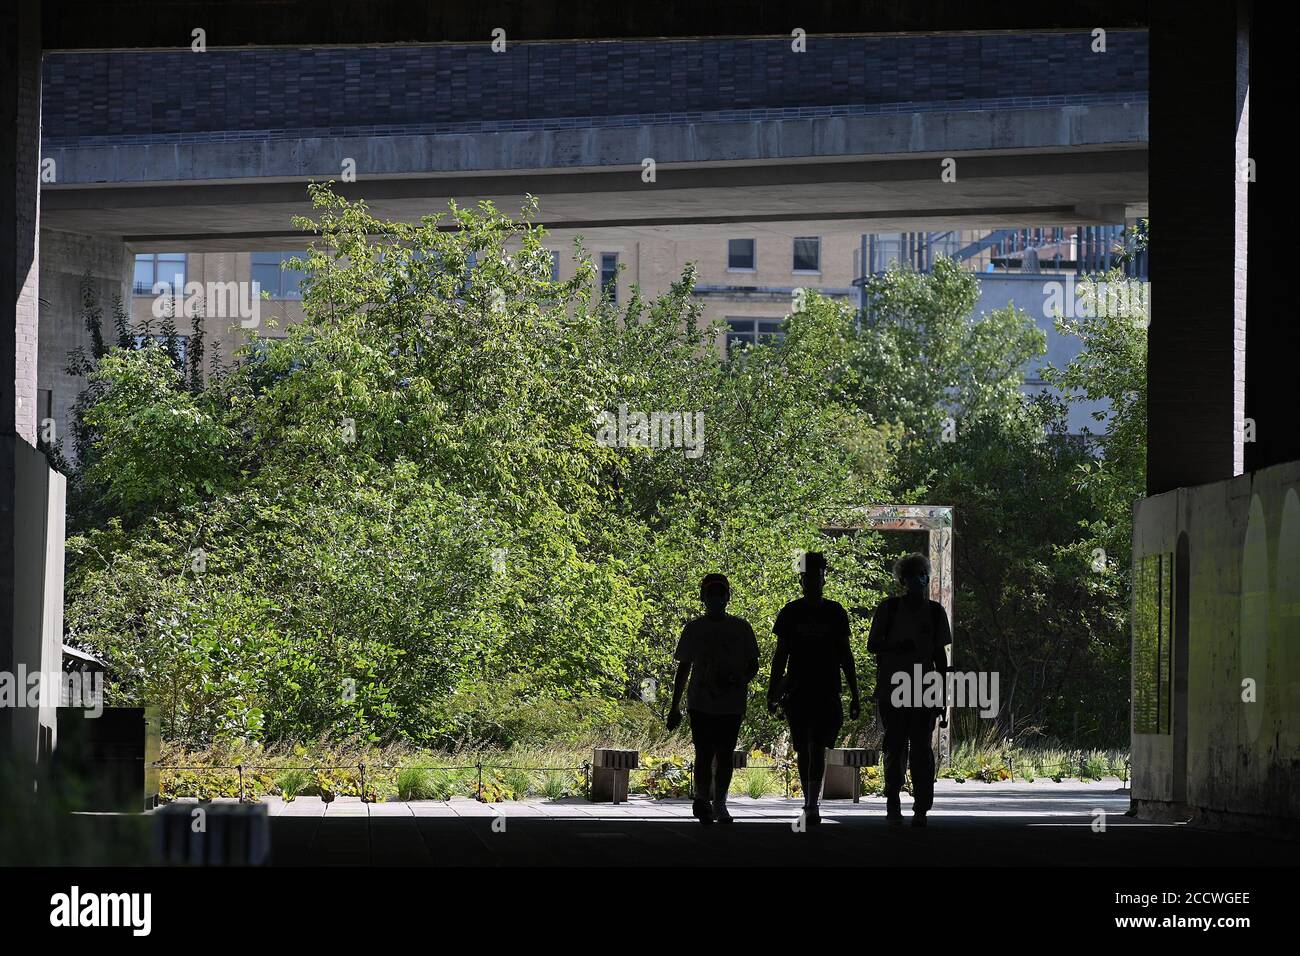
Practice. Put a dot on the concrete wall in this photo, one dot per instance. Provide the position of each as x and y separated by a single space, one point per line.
65 259
38 586
20 118
1241 604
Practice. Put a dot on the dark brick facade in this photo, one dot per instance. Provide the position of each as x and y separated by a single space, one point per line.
144 94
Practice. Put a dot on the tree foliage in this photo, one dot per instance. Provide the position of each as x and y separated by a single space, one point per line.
404 500
403 520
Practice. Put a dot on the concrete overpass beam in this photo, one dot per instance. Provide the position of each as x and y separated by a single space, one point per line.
1102 212
1197 340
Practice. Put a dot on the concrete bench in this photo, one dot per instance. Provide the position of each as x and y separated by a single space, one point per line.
843 772
107 762
212 834
610 770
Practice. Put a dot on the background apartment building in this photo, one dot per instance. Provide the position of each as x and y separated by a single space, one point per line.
744 281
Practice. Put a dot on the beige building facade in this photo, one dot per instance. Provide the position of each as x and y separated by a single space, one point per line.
744 280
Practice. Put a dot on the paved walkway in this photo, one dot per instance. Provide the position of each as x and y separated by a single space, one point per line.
1041 823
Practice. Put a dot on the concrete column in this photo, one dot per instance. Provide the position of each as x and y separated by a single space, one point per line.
20 118
1199 135
20 111
1272 332
68 259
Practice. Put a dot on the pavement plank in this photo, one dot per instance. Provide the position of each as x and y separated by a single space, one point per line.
1010 823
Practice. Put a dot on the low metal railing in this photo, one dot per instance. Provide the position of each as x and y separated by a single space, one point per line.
1079 766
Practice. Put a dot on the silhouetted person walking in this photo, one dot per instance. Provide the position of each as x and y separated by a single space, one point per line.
812 648
909 637
719 655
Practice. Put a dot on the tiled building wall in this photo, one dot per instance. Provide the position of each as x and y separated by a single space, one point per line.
165 94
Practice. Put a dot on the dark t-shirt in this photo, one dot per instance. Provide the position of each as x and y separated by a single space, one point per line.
903 635
816 636
723 654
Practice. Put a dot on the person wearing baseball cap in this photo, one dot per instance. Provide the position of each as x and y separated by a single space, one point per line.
718 657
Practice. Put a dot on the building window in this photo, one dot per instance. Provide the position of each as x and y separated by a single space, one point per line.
740 255
808 254
609 275
555 266
746 332
154 267
274 279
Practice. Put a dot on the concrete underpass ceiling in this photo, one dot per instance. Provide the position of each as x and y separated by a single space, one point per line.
1048 165
1067 188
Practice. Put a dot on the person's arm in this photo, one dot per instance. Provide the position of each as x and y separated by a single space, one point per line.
679 687
780 657
879 632
751 661
943 637
850 667
851 675
684 656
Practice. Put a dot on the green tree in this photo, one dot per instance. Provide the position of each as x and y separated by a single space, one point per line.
404 506
406 517
1029 500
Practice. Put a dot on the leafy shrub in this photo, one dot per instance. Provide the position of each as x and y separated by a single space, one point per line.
494 791
873 780
471 379
331 782
666 777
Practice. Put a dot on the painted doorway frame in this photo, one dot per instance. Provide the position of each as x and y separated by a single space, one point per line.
937 522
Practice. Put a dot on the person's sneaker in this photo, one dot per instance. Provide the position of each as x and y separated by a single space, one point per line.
811 816
918 820
703 811
721 814
894 811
